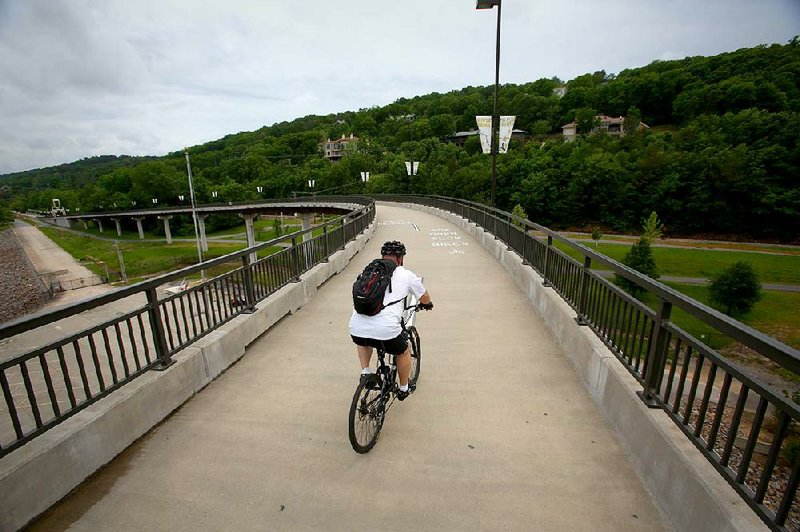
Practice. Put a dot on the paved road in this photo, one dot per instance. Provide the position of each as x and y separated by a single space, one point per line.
500 434
56 266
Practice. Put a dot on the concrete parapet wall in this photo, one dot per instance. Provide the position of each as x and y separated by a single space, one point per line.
40 473
685 486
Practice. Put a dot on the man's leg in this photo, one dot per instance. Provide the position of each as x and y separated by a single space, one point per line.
364 356
403 366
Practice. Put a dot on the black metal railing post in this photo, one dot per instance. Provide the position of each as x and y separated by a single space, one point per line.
547 282
525 245
164 360
657 357
295 261
583 290
325 243
249 288
344 232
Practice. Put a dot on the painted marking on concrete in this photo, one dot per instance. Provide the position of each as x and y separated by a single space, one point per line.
416 227
447 238
394 222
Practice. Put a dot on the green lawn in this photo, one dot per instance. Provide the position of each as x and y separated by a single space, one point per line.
141 258
775 315
706 263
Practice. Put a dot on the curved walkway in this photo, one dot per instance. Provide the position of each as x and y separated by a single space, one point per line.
501 434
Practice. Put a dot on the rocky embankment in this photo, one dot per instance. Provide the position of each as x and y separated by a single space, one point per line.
21 290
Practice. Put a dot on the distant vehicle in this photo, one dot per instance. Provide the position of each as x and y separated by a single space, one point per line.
57 209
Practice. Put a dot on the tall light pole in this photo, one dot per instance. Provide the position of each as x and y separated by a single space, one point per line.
411 170
194 213
489 4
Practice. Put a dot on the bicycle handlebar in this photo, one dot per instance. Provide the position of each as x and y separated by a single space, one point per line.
419 306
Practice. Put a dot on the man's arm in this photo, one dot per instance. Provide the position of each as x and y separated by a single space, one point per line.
425 298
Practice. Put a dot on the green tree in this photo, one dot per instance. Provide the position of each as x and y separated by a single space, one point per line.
736 289
639 258
652 229
277 227
519 212
596 235
6 216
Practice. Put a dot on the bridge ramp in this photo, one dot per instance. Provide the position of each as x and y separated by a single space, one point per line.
501 434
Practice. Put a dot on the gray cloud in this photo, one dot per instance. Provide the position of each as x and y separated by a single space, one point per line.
90 77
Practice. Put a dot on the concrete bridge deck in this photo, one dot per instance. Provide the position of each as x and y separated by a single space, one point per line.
501 434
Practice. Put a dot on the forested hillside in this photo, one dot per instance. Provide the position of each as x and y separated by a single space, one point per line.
720 156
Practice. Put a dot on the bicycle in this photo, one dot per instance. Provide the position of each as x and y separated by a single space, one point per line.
376 392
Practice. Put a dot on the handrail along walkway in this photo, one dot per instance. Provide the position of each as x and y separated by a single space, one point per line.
46 386
708 396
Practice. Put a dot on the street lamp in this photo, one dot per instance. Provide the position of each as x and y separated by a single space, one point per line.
411 170
155 201
365 177
180 198
260 189
489 4
311 183
194 213
214 194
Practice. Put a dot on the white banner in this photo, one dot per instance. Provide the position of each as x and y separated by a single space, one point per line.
485 128
506 128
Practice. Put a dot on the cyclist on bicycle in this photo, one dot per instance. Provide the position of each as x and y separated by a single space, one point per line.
383 330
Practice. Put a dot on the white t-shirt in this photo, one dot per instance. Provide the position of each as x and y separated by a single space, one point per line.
385 325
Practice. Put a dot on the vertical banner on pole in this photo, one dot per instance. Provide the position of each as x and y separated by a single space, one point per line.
506 128
485 128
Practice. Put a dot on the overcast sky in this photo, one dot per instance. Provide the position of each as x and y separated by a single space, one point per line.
93 77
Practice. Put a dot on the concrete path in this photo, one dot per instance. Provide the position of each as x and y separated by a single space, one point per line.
500 435
51 262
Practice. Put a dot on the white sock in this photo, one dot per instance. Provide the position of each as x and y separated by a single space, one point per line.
404 387
366 371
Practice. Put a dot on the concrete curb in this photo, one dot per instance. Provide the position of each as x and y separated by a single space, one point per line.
685 486
41 473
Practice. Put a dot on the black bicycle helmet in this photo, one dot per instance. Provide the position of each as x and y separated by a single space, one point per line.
393 248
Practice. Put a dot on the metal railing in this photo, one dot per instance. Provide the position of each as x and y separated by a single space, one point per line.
721 406
47 385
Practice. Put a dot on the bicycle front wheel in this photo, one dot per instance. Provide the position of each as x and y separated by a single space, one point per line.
366 417
416 356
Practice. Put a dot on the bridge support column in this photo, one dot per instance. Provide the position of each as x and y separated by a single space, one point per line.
201 227
251 235
119 226
139 226
166 220
307 218
99 223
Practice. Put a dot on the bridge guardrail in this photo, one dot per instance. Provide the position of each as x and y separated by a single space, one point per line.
46 386
721 406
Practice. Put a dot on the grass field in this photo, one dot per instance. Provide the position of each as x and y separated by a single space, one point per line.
775 315
705 263
141 258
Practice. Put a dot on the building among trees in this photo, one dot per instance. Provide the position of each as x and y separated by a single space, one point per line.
613 125
334 149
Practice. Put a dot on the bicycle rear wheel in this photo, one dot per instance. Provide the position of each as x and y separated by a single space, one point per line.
416 356
366 417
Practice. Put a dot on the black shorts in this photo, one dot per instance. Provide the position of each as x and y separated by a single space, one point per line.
395 346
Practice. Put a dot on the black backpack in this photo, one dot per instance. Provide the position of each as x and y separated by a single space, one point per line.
371 285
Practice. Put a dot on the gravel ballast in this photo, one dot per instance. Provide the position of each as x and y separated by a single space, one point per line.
22 291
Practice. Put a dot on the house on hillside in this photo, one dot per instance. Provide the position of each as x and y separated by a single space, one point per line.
612 125
333 150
